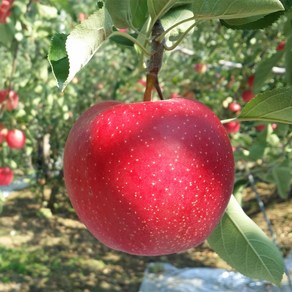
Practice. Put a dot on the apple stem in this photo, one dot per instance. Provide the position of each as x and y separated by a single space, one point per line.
154 63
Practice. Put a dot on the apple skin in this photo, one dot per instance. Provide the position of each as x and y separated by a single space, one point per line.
149 178
6 176
15 139
232 127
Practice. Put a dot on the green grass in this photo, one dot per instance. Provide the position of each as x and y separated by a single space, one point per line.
38 263
23 261
35 263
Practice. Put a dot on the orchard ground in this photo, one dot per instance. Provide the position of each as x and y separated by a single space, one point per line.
44 252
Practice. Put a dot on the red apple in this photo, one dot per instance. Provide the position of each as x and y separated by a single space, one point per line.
3 133
234 107
232 127
5 7
250 80
15 139
6 176
247 95
260 127
149 178
200 68
281 46
9 99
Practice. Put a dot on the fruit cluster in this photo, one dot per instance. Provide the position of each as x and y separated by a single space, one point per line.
14 138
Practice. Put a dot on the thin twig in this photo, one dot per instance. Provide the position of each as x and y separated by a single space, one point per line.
154 63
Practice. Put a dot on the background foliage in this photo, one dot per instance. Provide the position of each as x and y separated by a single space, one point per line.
116 72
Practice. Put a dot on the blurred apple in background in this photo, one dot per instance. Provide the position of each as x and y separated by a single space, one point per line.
15 139
234 107
232 127
247 95
9 99
6 176
200 68
281 46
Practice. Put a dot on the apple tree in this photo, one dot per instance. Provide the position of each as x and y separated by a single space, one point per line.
33 116
101 179
182 163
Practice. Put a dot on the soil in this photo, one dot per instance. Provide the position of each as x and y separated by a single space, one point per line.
54 252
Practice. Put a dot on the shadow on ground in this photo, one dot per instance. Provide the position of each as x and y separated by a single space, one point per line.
44 252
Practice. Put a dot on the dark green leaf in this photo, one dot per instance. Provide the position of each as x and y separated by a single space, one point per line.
6 34
270 106
229 9
120 12
122 40
264 70
139 11
258 147
288 60
159 8
257 151
245 247
58 58
282 178
127 13
254 22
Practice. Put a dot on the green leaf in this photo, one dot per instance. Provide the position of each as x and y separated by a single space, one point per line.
139 12
174 16
245 247
6 34
288 60
258 147
270 106
120 12
157 9
122 41
282 178
127 13
80 45
253 22
228 9
58 58
264 70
